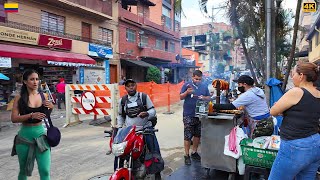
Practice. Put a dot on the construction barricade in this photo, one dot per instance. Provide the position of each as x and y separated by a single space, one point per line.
161 95
91 99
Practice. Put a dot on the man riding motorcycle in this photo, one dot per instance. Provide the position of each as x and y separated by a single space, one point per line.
133 111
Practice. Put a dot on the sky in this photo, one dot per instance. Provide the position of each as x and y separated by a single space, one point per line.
195 17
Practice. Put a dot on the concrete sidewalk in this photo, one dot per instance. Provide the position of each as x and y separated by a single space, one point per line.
81 153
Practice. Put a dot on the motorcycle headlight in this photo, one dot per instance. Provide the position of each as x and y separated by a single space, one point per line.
118 149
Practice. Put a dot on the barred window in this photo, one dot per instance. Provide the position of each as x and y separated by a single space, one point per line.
52 22
144 40
131 35
105 35
159 44
171 47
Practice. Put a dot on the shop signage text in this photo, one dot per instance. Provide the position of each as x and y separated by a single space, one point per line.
19 36
55 42
5 62
100 51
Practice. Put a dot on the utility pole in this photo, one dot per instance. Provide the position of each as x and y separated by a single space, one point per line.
269 48
211 44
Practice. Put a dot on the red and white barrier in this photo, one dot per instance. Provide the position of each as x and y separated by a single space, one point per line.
91 102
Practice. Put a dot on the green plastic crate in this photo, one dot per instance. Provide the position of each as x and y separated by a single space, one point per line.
255 156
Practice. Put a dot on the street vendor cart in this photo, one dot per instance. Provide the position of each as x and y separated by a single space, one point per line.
214 127
213 132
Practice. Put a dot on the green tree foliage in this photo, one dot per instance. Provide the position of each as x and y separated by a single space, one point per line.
153 74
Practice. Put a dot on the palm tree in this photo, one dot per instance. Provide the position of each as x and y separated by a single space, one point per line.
235 21
294 40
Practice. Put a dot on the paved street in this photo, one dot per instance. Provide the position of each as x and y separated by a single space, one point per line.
81 154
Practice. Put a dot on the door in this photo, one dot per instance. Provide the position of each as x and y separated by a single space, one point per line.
86 32
113 74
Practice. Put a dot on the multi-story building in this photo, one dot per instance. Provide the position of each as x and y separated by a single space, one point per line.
197 38
70 39
314 44
149 35
306 20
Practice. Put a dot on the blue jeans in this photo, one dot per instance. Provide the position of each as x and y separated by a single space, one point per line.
297 159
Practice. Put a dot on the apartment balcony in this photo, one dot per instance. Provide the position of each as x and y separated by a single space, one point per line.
146 24
200 43
152 52
53 33
95 8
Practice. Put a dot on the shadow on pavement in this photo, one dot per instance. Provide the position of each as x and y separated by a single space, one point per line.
195 171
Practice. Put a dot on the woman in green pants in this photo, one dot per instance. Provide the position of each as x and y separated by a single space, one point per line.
31 143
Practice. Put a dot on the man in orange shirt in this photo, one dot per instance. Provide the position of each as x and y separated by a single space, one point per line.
61 92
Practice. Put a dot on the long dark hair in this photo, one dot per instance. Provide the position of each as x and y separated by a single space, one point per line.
24 94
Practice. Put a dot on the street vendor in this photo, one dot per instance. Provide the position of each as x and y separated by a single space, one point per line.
254 102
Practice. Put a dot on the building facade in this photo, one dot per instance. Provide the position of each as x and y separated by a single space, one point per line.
149 35
71 39
198 38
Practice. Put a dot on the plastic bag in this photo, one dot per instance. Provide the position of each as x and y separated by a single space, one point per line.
239 136
261 142
274 142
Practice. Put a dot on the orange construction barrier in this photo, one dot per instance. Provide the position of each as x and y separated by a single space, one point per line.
161 94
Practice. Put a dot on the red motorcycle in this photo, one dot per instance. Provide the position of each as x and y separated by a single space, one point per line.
129 146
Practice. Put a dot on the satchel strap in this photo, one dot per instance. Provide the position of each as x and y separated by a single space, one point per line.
47 112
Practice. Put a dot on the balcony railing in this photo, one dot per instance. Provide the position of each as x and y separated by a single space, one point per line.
53 33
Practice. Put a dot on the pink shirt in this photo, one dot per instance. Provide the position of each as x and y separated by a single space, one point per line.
61 88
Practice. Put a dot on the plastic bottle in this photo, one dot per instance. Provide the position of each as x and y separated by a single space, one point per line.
210 108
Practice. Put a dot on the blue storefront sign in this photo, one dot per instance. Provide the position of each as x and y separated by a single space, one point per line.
107 70
100 51
81 75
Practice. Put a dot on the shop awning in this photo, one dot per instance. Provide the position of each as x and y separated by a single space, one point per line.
44 55
136 63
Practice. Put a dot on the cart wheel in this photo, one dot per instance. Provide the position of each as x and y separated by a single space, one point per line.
232 176
206 174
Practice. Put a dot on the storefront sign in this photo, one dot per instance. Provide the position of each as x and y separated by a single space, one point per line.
56 63
55 42
100 51
5 62
81 75
19 36
107 70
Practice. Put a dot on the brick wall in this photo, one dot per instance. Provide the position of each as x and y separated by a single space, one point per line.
156 12
148 51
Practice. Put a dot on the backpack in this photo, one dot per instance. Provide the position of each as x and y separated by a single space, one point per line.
143 98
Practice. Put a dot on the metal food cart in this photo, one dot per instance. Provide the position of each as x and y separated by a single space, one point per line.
213 132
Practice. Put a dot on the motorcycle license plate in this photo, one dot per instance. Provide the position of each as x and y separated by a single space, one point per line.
202 109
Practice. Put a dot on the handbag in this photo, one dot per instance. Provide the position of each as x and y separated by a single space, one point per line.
53 133
264 127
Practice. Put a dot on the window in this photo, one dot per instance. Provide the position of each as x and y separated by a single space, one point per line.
86 32
52 22
166 11
171 47
159 44
105 35
166 45
131 35
144 40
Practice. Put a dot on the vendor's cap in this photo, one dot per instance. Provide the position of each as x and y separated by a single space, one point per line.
129 81
245 79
